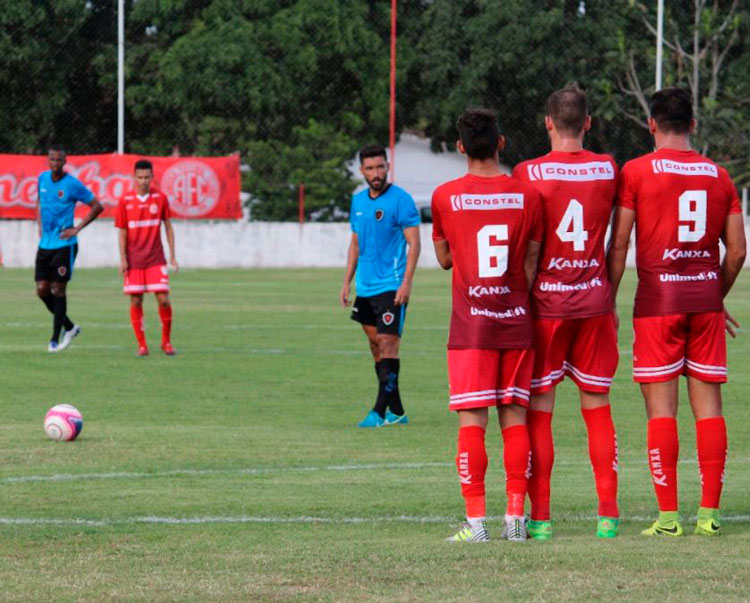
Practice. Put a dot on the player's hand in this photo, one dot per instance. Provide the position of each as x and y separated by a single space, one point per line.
730 324
174 265
344 296
123 267
68 233
617 320
402 294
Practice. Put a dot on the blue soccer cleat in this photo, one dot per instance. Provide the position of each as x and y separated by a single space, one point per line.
393 419
372 419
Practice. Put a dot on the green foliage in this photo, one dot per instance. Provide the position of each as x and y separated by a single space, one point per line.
296 86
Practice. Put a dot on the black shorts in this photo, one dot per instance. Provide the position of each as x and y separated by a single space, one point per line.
55 265
380 311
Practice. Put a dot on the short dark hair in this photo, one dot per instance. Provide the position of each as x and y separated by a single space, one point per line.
58 148
479 132
568 109
672 110
372 150
143 164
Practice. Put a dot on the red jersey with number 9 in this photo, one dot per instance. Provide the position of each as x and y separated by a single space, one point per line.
578 194
681 202
488 223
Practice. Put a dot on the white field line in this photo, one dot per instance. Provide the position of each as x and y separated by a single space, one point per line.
114 475
251 519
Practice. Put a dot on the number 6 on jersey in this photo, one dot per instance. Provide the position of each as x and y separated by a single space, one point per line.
493 254
570 229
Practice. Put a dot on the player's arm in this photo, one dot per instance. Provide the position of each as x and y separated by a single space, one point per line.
123 245
733 238
531 261
95 209
443 254
622 226
170 243
411 234
352 257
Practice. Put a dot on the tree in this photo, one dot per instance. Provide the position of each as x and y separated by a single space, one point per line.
706 53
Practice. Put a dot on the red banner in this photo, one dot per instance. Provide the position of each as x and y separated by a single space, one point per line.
197 187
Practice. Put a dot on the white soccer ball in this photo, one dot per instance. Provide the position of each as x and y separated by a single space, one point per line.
63 422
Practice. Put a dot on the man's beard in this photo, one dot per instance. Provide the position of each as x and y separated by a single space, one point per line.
377 184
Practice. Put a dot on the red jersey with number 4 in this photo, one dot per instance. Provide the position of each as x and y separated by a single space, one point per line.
142 215
488 223
578 193
681 202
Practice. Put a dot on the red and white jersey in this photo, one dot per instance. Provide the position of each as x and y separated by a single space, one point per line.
488 223
578 194
681 202
142 215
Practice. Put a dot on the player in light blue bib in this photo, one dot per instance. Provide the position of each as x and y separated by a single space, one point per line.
58 245
384 221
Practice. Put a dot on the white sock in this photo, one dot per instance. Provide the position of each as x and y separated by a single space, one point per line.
475 522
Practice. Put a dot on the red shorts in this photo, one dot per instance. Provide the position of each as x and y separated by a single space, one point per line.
583 348
146 280
665 347
482 378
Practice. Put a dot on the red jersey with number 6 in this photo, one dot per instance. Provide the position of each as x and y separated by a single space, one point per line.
141 216
681 202
578 193
488 223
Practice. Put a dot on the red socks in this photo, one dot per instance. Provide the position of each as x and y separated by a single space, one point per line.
603 455
516 452
711 437
136 319
542 458
663 450
471 462
165 314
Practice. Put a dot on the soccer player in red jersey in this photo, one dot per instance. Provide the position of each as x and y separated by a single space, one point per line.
487 227
139 218
682 205
574 325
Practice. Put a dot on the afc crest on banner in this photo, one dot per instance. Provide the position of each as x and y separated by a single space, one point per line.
192 187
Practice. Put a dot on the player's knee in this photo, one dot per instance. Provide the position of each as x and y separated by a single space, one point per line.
388 346
58 289
136 301
42 290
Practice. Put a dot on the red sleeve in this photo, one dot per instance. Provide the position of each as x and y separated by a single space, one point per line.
734 199
121 218
438 234
626 188
536 230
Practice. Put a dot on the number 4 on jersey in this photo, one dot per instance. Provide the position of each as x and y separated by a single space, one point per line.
571 229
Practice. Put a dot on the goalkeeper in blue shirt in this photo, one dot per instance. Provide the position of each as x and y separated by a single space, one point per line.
384 221
58 245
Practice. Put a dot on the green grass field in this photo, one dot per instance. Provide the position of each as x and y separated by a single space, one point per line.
234 472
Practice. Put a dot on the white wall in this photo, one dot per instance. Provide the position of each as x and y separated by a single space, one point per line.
216 244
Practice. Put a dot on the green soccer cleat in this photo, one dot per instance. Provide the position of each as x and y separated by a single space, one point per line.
467 533
606 527
668 524
539 530
708 522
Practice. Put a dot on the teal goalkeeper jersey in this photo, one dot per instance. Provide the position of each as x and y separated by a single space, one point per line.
379 224
57 202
